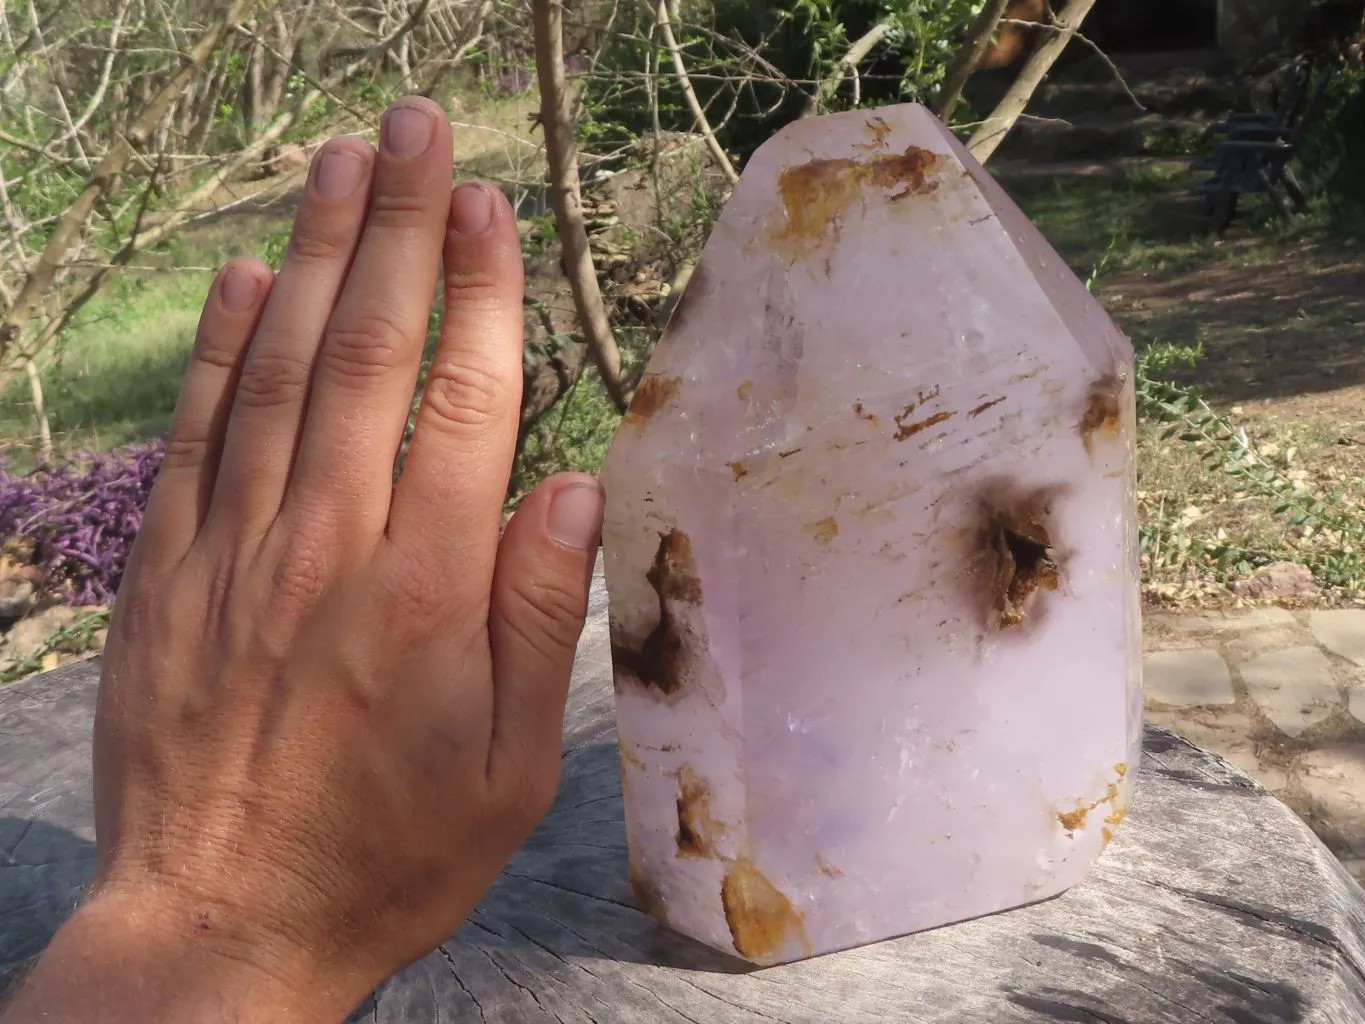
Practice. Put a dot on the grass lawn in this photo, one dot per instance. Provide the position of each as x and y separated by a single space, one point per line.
114 377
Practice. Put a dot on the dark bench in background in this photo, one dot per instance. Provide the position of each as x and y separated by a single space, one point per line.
1254 151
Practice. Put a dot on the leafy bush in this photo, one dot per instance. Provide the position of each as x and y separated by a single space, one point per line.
752 66
79 519
1333 151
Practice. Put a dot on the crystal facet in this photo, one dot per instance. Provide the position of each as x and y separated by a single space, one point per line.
871 555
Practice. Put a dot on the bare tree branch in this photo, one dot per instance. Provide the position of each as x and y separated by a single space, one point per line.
969 54
102 178
993 130
561 151
35 384
855 55
685 84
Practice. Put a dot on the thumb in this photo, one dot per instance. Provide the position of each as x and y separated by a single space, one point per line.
539 600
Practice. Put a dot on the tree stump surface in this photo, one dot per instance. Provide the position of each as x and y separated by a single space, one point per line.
1214 903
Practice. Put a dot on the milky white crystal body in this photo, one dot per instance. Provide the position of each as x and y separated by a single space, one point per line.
871 555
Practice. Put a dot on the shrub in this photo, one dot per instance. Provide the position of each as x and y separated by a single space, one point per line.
78 519
1334 150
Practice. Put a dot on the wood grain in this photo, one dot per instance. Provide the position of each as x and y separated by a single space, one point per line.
1213 904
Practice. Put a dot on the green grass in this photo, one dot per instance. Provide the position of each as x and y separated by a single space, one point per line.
1143 221
114 376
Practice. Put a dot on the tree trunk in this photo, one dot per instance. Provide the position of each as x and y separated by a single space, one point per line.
561 152
210 100
282 65
994 129
969 55
545 384
253 83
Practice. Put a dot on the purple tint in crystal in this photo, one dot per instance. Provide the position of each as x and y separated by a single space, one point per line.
871 551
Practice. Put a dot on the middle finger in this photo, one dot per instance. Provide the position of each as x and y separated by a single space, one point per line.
367 365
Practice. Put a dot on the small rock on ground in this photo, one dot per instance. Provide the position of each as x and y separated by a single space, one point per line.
16 598
28 635
1281 580
1219 622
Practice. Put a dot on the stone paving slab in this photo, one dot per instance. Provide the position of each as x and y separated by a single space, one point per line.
1187 678
1293 687
1280 694
1221 621
1341 631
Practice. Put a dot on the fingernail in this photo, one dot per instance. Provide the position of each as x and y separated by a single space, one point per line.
576 515
407 131
238 290
471 209
340 173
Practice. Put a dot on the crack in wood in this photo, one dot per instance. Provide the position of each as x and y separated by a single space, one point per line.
454 973
9 854
518 985
541 946
729 1002
1314 933
574 892
607 957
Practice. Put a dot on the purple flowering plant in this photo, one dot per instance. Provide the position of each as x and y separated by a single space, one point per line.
79 518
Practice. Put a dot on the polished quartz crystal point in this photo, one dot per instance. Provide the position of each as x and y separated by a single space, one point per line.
871 553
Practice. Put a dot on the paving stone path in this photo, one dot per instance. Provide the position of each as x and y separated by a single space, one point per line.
1280 694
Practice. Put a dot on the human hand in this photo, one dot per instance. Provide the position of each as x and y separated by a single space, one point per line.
331 706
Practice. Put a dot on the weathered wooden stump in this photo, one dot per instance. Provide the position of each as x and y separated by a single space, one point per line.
1213 904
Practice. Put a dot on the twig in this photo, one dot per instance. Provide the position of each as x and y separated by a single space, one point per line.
496 131
133 268
1035 118
1077 34
561 150
102 178
102 86
855 55
39 409
968 57
52 261
685 84
1113 68
32 147
58 94
1007 112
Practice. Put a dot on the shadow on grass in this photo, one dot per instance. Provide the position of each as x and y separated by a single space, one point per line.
1279 312
1287 328
1141 219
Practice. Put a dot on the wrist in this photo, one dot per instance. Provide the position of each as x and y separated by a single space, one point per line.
138 956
